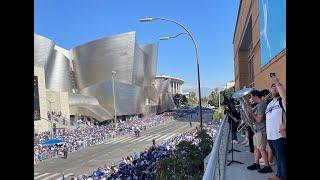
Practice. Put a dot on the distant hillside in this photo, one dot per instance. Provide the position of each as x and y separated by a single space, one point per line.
205 91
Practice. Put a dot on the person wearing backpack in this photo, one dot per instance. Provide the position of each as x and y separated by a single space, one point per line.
275 114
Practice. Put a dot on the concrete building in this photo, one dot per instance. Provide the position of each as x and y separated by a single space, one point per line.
80 81
175 83
259 43
230 84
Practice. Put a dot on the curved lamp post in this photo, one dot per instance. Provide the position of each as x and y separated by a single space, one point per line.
149 19
114 99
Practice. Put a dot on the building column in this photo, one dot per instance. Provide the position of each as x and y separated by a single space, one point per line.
176 87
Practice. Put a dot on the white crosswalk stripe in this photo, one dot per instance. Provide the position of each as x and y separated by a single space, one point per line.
126 139
137 139
36 173
162 137
169 136
153 137
51 176
65 176
145 138
45 174
112 140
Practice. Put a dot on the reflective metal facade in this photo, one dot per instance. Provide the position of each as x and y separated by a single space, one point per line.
136 91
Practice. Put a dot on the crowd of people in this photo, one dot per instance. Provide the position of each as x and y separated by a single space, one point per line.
57 116
143 165
84 136
266 137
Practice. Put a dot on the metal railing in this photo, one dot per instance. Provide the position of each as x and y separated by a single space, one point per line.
210 171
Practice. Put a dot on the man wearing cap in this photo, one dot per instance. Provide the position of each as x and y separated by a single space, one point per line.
260 136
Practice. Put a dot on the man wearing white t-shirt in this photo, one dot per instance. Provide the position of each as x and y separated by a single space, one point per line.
274 117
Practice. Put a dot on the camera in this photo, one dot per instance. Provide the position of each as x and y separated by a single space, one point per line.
272 74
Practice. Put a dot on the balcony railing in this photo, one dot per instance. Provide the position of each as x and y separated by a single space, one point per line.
216 160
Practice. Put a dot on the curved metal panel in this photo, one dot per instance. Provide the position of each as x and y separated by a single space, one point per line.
94 61
43 48
91 104
58 73
128 97
165 100
151 55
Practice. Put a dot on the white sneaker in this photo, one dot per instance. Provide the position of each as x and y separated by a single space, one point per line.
247 144
235 142
271 164
261 160
244 141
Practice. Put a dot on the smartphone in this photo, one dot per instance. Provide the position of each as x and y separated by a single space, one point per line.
272 74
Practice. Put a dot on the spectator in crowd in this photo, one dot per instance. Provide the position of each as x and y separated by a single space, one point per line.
81 137
260 136
143 165
275 113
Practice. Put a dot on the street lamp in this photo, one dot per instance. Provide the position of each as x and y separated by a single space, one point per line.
51 115
149 19
219 94
114 99
171 37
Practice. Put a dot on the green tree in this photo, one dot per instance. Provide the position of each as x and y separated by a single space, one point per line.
187 163
180 99
193 99
214 98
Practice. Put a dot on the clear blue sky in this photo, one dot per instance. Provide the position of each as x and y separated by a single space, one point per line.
73 22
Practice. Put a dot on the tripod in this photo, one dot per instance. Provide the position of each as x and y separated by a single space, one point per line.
231 150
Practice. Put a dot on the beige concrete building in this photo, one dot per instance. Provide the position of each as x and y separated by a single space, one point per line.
42 124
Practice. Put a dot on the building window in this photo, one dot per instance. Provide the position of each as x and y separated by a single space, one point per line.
250 65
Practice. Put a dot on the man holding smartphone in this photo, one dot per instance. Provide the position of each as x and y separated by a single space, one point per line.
275 112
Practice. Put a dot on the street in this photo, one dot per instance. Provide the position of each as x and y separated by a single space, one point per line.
87 160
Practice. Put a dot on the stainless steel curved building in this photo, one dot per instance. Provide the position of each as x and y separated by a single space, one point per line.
88 69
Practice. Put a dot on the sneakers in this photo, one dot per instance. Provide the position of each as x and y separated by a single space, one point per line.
235 142
254 166
266 169
244 141
247 144
261 161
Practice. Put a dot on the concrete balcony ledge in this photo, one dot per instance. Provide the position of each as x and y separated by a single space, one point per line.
240 171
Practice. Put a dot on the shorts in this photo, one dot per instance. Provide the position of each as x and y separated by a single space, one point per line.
260 140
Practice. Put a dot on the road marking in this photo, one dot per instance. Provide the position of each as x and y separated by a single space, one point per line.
162 137
36 173
125 139
41 175
145 138
65 176
169 136
153 137
51 176
113 140
137 138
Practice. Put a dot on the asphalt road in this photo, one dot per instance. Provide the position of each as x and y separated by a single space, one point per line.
87 160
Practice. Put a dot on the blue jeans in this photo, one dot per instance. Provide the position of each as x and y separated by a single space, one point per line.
278 148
